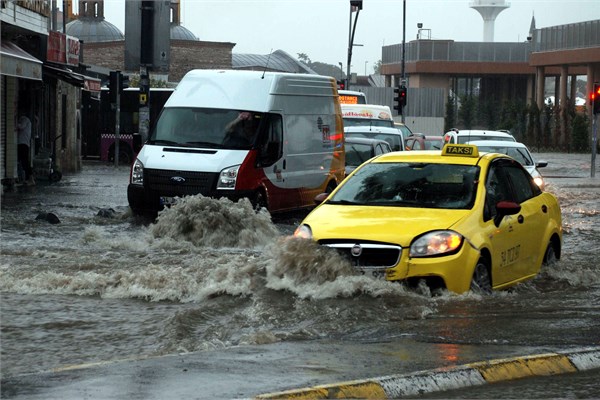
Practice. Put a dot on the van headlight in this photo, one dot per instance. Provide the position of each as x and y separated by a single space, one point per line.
227 178
137 173
436 243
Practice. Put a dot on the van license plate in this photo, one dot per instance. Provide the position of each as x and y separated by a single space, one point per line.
168 201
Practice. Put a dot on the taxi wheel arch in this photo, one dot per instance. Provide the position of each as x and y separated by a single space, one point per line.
552 251
481 281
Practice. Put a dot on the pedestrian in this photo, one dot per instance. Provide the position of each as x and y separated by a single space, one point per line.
23 148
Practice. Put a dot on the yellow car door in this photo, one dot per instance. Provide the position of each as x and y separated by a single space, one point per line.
505 232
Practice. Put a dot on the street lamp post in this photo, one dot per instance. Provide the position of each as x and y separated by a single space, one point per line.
366 68
341 72
354 5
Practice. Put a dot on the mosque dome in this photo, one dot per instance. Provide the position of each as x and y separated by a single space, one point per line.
94 30
179 32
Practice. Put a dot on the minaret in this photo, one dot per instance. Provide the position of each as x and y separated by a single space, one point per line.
91 9
489 10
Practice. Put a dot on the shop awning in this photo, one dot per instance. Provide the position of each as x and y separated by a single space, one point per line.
65 75
18 63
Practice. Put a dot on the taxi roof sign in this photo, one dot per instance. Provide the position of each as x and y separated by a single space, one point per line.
460 150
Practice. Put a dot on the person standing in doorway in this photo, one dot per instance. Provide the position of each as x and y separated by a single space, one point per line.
23 150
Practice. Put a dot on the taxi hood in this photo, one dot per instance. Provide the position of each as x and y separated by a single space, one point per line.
399 225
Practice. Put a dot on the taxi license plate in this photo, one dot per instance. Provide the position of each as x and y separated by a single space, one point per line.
375 273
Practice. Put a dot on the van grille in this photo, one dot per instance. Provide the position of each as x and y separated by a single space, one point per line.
167 183
372 255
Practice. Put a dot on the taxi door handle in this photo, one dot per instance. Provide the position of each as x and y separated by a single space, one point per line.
521 219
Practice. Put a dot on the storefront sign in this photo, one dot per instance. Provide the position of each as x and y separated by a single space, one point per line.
63 51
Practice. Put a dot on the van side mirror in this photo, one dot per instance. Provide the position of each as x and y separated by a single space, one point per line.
321 198
541 164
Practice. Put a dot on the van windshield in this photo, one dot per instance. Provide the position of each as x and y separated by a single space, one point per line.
206 127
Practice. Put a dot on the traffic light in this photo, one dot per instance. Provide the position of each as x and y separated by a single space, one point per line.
113 86
341 85
399 98
595 99
123 82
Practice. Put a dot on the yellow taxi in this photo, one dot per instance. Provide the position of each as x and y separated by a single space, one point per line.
457 219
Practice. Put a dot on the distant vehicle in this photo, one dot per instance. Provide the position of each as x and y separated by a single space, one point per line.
516 150
361 149
391 135
464 136
352 97
419 141
367 115
274 138
406 132
455 219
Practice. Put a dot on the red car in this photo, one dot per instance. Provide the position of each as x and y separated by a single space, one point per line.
419 141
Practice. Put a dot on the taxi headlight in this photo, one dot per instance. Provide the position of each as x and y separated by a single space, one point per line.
228 177
137 173
436 243
303 232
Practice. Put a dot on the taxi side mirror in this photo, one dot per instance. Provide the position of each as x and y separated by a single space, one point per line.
504 208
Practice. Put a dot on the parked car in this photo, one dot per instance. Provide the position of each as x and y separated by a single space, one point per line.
519 152
455 219
361 149
419 141
464 136
391 135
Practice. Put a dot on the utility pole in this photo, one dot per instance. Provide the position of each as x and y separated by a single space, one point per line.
403 82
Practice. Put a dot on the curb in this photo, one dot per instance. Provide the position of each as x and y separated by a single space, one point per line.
442 379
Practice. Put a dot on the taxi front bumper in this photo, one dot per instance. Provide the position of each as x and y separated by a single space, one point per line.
456 270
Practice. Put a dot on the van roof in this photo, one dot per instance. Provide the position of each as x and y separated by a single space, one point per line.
244 90
367 111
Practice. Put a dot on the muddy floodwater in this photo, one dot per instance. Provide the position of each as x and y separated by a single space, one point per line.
207 275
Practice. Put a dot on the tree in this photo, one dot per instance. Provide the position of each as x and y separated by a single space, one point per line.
450 120
466 112
377 67
304 58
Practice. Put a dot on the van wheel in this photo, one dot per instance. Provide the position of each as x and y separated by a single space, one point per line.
481 283
260 201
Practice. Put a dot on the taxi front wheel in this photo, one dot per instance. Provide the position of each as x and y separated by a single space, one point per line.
481 282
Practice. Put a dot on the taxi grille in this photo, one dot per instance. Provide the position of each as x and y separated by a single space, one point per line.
186 182
367 254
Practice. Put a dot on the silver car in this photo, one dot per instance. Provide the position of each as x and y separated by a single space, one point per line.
516 150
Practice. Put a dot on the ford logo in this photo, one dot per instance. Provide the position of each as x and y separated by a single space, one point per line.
177 179
356 250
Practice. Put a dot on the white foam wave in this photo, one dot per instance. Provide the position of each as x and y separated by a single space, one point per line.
208 222
312 271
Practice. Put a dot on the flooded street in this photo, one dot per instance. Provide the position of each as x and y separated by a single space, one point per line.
207 275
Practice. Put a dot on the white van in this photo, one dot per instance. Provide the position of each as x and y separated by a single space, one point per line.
367 115
352 97
275 138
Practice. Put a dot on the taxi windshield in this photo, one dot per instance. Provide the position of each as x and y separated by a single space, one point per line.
410 184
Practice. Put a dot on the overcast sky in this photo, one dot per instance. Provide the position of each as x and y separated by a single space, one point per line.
320 28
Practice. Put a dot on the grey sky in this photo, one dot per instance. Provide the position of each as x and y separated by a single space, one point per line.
319 28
